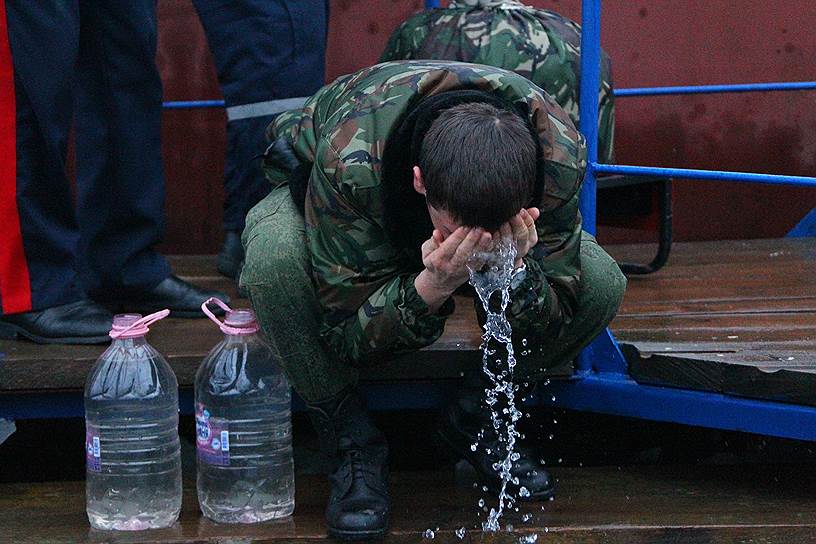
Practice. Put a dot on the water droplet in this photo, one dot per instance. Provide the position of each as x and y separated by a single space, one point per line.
429 534
460 533
524 492
481 503
526 517
552 398
473 447
523 341
528 539
551 436
560 460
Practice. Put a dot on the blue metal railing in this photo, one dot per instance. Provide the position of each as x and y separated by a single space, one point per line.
709 89
709 175
192 104
602 383
635 91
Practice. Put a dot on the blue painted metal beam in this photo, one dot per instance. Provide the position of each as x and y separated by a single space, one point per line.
588 101
709 89
710 175
192 104
588 125
806 227
615 394
431 4
637 91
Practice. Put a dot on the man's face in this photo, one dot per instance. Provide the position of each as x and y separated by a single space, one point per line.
442 221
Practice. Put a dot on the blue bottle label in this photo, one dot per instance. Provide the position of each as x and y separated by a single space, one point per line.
212 438
93 452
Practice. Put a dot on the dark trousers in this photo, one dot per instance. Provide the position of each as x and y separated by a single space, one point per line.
268 53
91 62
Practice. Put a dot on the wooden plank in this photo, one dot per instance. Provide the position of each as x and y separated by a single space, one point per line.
716 252
593 505
733 301
785 376
185 342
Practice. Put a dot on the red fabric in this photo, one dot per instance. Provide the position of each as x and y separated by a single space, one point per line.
15 286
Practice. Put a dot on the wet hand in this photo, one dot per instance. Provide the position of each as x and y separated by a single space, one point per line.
446 260
521 230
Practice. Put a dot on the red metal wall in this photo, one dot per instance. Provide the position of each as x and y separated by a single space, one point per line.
654 42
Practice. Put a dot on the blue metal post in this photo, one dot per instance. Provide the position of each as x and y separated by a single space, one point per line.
588 112
588 124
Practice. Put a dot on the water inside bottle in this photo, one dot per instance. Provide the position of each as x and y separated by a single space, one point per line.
133 469
243 428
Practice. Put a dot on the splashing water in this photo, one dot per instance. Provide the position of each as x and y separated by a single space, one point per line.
460 533
528 539
495 277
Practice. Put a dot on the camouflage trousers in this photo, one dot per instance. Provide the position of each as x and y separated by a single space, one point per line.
277 276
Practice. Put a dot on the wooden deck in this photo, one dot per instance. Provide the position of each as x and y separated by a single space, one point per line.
734 317
606 505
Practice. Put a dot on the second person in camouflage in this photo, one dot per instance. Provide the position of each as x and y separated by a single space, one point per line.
385 183
538 44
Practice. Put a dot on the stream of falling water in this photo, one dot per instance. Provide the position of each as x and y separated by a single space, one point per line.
494 277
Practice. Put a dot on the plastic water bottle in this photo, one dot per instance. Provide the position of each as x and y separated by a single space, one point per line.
243 426
133 469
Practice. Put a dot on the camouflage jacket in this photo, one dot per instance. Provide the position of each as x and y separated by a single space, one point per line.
365 283
540 45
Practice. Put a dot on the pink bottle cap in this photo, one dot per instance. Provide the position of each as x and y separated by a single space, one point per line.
240 321
134 325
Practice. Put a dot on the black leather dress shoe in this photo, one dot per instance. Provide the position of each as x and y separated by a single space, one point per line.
231 257
182 298
81 322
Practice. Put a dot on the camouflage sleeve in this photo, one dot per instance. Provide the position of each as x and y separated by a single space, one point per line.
371 307
545 300
606 114
393 319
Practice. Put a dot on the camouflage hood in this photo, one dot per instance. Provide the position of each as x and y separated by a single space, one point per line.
538 44
343 129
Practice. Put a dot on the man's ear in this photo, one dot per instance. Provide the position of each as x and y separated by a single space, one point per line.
419 187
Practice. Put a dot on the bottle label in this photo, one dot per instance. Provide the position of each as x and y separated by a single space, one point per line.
93 453
212 438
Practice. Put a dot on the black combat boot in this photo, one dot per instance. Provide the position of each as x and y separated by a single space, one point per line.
358 506
467 418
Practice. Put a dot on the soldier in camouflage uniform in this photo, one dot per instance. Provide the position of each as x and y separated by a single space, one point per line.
539 44
340 253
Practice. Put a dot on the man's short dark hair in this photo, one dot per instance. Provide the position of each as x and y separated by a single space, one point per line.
478 163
